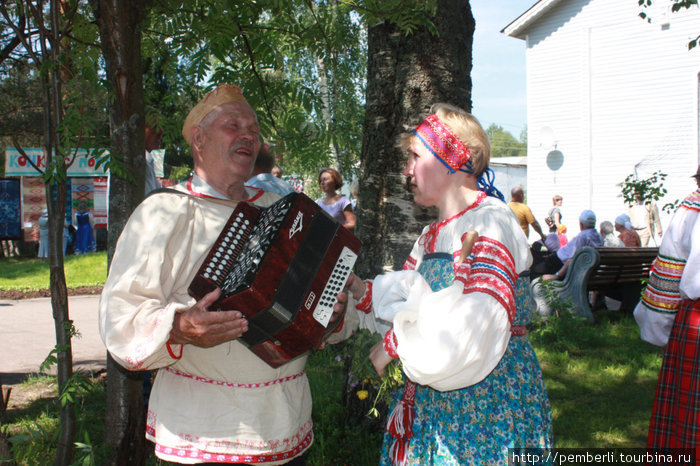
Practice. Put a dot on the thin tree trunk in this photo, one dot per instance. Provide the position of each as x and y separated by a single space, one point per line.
120 30
53 108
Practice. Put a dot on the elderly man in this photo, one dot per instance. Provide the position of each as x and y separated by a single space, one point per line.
644 218
523 212
213 399
555 265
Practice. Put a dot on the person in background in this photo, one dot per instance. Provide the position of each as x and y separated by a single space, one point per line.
523 212
561 233
355 192
628 236
335 204
555 265
554 213
84 236
669 316
153 139
276 171
609 238
644 218
473 386
43 235
9 248
213 400
541 249
263 178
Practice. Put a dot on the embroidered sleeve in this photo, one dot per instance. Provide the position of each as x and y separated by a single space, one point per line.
662 293
490 269
673 275
410 263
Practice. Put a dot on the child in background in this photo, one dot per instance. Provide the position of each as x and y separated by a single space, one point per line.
561 232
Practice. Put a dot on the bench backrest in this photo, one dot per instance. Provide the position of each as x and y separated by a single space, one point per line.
622 265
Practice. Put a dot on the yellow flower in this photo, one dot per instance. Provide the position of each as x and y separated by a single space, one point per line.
362 394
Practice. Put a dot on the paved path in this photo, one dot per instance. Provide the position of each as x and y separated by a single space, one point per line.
27 336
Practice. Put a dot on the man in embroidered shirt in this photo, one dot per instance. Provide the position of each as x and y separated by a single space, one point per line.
523 212
213 400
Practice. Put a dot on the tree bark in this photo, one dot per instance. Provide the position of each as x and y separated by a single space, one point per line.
406 74
120 30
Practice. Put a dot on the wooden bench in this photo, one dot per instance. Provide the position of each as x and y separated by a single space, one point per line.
613 272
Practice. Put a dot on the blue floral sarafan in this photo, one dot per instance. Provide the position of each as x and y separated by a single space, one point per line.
476 425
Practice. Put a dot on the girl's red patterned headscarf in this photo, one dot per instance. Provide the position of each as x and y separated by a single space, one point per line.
444 144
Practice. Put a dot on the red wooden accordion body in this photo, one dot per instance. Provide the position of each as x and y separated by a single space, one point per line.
282 267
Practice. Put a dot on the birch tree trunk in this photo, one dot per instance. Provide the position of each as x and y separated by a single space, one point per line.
406 74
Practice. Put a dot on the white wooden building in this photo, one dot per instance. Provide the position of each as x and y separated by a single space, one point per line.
608 94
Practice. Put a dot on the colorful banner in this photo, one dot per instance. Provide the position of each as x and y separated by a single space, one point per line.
17 164
101 187
10 209
34 201
82 192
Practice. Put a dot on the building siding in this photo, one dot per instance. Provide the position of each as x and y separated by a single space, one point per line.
614 94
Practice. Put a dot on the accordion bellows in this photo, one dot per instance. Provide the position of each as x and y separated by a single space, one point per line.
282 267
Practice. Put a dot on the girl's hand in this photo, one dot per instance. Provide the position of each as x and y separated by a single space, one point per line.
469 239
380 358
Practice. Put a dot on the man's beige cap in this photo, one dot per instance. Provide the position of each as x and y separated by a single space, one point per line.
223 94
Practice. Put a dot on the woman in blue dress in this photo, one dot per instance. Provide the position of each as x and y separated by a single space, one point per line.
84 237
473 386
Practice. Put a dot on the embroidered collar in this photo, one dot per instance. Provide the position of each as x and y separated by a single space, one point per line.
196 186
429 239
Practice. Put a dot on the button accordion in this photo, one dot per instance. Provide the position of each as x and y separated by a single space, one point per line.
282 267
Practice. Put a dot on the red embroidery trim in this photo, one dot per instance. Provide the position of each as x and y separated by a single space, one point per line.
232 458
390 343
518 330
259 192
233 384
365 304
429 238
491 271
170 350
410 263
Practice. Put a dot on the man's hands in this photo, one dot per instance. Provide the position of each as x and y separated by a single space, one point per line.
340 304
199 327
356 286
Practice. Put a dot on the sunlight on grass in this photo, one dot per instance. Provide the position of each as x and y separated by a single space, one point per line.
33 274
600 380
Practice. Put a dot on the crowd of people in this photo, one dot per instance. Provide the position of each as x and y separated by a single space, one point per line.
454 317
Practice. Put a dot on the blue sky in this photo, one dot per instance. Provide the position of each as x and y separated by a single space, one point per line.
498 72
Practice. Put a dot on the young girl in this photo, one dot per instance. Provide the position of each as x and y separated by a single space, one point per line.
459 308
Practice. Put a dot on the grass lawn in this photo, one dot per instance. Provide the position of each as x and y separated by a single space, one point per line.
33 274
600 379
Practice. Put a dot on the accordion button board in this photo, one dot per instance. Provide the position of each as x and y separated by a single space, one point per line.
282 266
